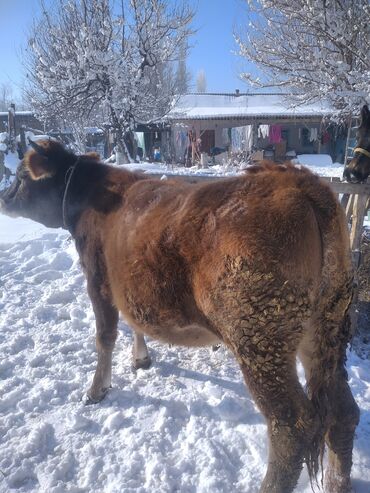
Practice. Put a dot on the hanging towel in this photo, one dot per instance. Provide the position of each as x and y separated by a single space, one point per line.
275 134
313 134
263 131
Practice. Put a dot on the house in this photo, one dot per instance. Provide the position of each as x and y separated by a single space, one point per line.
231 123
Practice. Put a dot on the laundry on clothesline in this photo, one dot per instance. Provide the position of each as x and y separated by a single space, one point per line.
313 134
275 134
263 131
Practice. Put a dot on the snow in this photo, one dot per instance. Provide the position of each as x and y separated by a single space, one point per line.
11 161
315 160
186 425
321 164
17 113
193 106
19 229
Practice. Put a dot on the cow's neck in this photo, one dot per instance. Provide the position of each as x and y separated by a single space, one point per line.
93 186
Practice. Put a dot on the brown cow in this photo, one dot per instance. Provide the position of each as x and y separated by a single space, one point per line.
260 262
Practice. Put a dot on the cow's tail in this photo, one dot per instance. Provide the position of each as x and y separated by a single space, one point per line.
332 312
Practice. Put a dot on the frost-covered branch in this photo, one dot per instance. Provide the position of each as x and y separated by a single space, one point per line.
90 59
319 49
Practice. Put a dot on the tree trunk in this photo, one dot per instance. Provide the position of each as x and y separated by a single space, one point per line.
125 147
123 155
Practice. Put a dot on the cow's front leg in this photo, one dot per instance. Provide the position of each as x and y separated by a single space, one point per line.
106 316
140 355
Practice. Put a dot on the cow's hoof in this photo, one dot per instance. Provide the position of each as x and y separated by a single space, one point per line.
143 363
93 398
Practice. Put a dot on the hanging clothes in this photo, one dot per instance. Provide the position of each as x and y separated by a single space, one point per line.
275 134
180 140
313 134
225 137
263 131
248 140
242 138
325 138
236 138
140 143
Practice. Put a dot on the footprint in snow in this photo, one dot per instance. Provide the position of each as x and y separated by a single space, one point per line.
61 297
47 275
61 261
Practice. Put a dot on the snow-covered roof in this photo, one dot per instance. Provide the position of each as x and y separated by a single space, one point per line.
17 113
94 130
213 106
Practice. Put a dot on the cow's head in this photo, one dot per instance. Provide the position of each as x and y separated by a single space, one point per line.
38 188
358 169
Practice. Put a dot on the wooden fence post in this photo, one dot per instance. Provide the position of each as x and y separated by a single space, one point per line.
359 210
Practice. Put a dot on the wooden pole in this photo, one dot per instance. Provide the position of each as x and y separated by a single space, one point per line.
349 206
359 209
11 127
23 139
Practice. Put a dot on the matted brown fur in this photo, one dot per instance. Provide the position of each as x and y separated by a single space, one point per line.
260 262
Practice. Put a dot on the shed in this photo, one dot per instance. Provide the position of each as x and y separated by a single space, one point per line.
233 122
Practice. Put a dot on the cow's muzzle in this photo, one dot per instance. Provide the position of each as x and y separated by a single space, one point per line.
352 176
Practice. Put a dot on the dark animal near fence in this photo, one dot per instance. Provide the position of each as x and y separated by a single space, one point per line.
358 168
260 262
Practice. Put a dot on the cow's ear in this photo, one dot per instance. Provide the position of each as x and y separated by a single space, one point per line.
38 166
365 115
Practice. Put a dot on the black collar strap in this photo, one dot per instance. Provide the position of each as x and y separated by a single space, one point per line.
69 173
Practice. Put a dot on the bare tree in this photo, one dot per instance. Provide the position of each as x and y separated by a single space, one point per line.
317 48
183 77
201 81
6 96
88 62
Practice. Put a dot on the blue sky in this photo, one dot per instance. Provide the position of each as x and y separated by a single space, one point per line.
212 45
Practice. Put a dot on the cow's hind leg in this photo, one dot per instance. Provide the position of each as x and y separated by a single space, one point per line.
292 423
263 325
323 349
344 417
266 354
140 354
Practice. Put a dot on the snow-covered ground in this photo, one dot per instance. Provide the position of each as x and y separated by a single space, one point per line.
186 425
